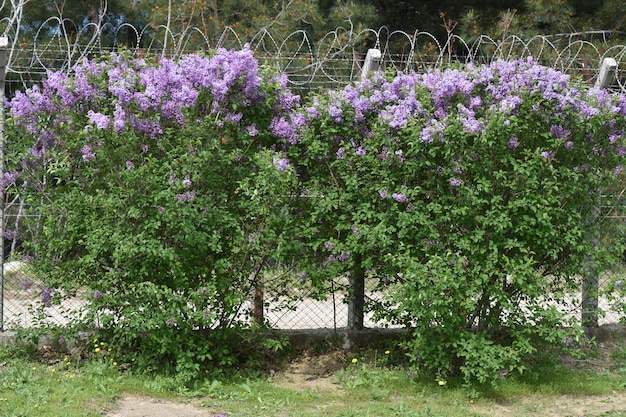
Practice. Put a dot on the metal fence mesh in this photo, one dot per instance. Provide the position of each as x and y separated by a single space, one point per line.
28 302
330 62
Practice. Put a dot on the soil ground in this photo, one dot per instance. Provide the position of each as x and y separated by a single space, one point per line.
137 406
315 373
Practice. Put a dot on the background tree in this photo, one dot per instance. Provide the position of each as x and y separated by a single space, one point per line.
611 15
317 17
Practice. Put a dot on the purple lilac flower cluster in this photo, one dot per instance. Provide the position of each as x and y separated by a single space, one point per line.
471 96
470 99
125 94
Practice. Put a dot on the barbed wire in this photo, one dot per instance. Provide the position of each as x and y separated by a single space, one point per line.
332 60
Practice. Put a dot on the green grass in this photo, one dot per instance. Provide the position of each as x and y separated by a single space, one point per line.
30 387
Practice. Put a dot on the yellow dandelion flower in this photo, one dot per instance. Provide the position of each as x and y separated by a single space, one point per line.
387 352
354 360
442 383
97 350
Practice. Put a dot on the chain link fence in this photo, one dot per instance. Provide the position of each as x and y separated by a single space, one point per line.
331 62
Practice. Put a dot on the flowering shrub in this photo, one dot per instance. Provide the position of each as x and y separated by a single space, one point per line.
469 194
160 193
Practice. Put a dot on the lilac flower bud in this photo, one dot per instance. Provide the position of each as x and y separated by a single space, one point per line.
252 130
26 284
186 197
87 152
8 179
46 296
10 234
400 198
336 113
281 164
101 121
455 182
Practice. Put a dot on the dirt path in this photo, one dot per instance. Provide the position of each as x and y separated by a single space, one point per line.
558 406
139 406
563 406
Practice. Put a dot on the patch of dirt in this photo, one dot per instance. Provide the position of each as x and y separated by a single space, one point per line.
139 406
311 372
556 406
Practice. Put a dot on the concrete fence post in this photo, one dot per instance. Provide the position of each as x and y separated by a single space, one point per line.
606 76
372 63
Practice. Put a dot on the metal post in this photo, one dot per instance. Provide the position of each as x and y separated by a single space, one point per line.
356 305
589 317
590 284
4 44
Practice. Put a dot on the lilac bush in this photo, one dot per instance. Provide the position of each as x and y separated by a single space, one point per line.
468 193
149 177
473 191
